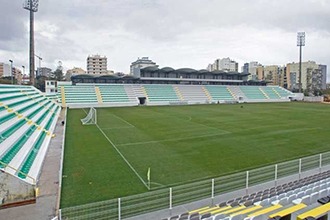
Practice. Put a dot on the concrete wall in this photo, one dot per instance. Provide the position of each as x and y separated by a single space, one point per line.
14 190
313 99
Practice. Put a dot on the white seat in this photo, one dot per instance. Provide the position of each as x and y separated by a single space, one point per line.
284 201
289 193
291 198
296 191
264 202
316 189
323 186
323 193
314 197
308 191
305 200
272 199
300 194
304 188
281 196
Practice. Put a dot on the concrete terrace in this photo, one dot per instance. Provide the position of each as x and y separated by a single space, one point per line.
47 200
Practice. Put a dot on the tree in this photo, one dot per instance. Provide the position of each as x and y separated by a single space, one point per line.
40 83
58 74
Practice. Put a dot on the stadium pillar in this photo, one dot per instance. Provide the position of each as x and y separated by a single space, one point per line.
119 209
212 192
299 168
275 175
247 182
170 202
320 165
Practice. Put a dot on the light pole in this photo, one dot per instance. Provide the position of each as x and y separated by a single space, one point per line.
32 6
300 44
11 71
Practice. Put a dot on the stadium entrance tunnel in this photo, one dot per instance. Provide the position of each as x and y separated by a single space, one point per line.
142 100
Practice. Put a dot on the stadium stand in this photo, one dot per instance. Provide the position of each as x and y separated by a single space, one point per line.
77 94
92 95
253 92
88 95
220 93
160 93
194 94
113 93
27 122
302 199
283 93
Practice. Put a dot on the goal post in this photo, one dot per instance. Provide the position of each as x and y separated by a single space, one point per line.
91 118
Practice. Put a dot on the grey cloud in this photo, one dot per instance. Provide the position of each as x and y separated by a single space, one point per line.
175 32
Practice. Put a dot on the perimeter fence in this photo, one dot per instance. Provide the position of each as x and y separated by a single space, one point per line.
168 198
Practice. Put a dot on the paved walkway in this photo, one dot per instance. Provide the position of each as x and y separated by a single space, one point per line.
45 206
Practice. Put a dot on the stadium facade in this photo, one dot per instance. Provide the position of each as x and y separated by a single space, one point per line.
168 75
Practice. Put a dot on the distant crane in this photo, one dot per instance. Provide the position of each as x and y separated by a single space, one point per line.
40 59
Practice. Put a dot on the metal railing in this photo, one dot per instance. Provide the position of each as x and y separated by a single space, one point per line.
168 198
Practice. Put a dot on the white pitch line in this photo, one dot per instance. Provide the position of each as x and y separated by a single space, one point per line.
115 128
123 120
173 139
122 156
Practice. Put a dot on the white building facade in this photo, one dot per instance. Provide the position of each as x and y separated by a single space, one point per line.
139 64
224 64
97 65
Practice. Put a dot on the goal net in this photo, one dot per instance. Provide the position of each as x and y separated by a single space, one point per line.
91 118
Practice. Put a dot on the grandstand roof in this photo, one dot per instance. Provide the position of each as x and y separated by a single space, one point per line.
150 68
167 69
186 70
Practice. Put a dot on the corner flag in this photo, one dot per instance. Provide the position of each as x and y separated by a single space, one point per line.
148 177
148 174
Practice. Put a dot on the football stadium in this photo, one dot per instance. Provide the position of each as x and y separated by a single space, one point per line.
169 151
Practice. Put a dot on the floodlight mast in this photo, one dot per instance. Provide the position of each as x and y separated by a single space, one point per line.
32 6
300 44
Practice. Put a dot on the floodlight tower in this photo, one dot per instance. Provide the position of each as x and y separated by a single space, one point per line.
300 44
32 6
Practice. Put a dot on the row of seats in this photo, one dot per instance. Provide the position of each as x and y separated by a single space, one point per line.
308 197
93 94
161 93
27 122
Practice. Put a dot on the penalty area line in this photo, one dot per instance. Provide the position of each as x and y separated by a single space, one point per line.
122 156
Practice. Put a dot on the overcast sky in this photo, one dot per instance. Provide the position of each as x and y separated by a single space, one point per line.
176 33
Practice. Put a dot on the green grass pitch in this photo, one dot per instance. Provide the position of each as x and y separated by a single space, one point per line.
183 144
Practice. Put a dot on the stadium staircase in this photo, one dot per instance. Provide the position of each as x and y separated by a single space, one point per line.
282 93
194 94
178 93
27 122
98 95
304 199
209 97
271 94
